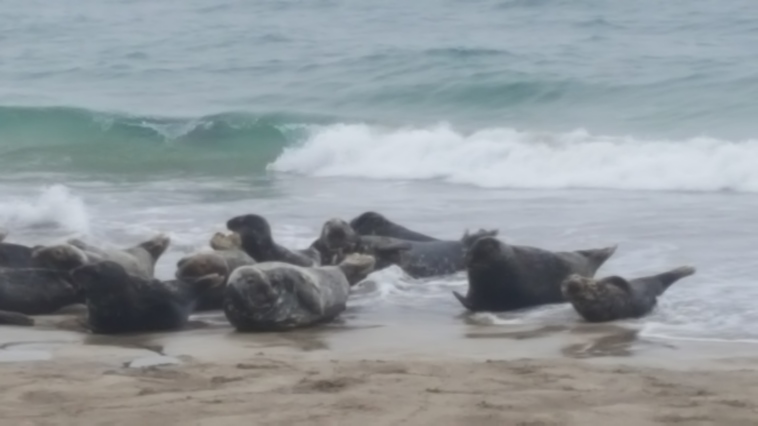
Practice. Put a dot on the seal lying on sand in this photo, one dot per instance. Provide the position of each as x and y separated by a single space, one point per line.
258 242
613 298
216 265
276 296
36 291
417 259
505 277
372 223
138 260
118 302
64 257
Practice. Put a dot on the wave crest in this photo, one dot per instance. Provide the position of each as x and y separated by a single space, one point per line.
508 158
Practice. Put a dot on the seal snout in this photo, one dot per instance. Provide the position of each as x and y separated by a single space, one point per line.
573 285
337 233
483 249
250 225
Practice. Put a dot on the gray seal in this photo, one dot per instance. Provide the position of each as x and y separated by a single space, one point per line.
419 259
258 242
138 260
15 256
119 302
277 296
504 277
217 265
373 223
614 298
36 291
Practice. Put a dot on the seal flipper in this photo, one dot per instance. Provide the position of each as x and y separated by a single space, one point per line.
618 282
463 301
308 299
674 275
15 318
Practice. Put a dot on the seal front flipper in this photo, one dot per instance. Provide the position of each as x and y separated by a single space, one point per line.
308 297
15 318
463 301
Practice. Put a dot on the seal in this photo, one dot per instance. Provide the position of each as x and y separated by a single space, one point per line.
277 296
15 256
216 265
36 291
15 318
119 302
257 241
64 257
504 277
138 260
419 259
613 298
373 223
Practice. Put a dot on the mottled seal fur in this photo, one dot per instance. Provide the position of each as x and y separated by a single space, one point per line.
36 291
258 242
277 296
505 277
65 257
419 259
216 265
614 298
138 260
119 302
373 223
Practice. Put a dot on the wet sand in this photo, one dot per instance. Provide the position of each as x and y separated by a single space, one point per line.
373 375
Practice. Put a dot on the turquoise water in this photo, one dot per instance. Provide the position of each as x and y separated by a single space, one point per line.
564 124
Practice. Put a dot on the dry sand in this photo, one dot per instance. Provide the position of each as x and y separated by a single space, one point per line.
231 380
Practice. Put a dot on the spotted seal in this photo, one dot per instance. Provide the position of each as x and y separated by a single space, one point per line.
258 242
277 296
373 223
120 302
614 298
504 277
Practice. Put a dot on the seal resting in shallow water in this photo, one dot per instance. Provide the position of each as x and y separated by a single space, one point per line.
373 223
614 298
504 277
138 260
36 291
276 296
257 241
227 255
118 302
418 259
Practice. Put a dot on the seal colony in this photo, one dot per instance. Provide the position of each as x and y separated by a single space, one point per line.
262 286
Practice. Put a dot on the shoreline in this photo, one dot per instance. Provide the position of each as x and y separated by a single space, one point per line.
335 374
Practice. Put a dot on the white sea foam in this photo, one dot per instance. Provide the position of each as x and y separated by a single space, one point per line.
54 207
507 158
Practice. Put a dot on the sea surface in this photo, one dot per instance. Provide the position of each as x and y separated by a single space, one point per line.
564 124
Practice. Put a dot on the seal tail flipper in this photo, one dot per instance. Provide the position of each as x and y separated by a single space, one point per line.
674 275
463 301
599 256
15 318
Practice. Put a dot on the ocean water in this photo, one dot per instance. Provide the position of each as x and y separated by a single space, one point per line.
566 125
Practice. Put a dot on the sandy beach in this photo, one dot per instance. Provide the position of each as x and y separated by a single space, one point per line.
339 376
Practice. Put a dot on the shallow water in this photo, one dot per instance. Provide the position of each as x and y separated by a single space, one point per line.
565 125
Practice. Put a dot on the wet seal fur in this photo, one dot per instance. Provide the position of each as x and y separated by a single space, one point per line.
614 298
277 296
118 302
258 242
419 259
216 265
504 277
138 260
373 223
